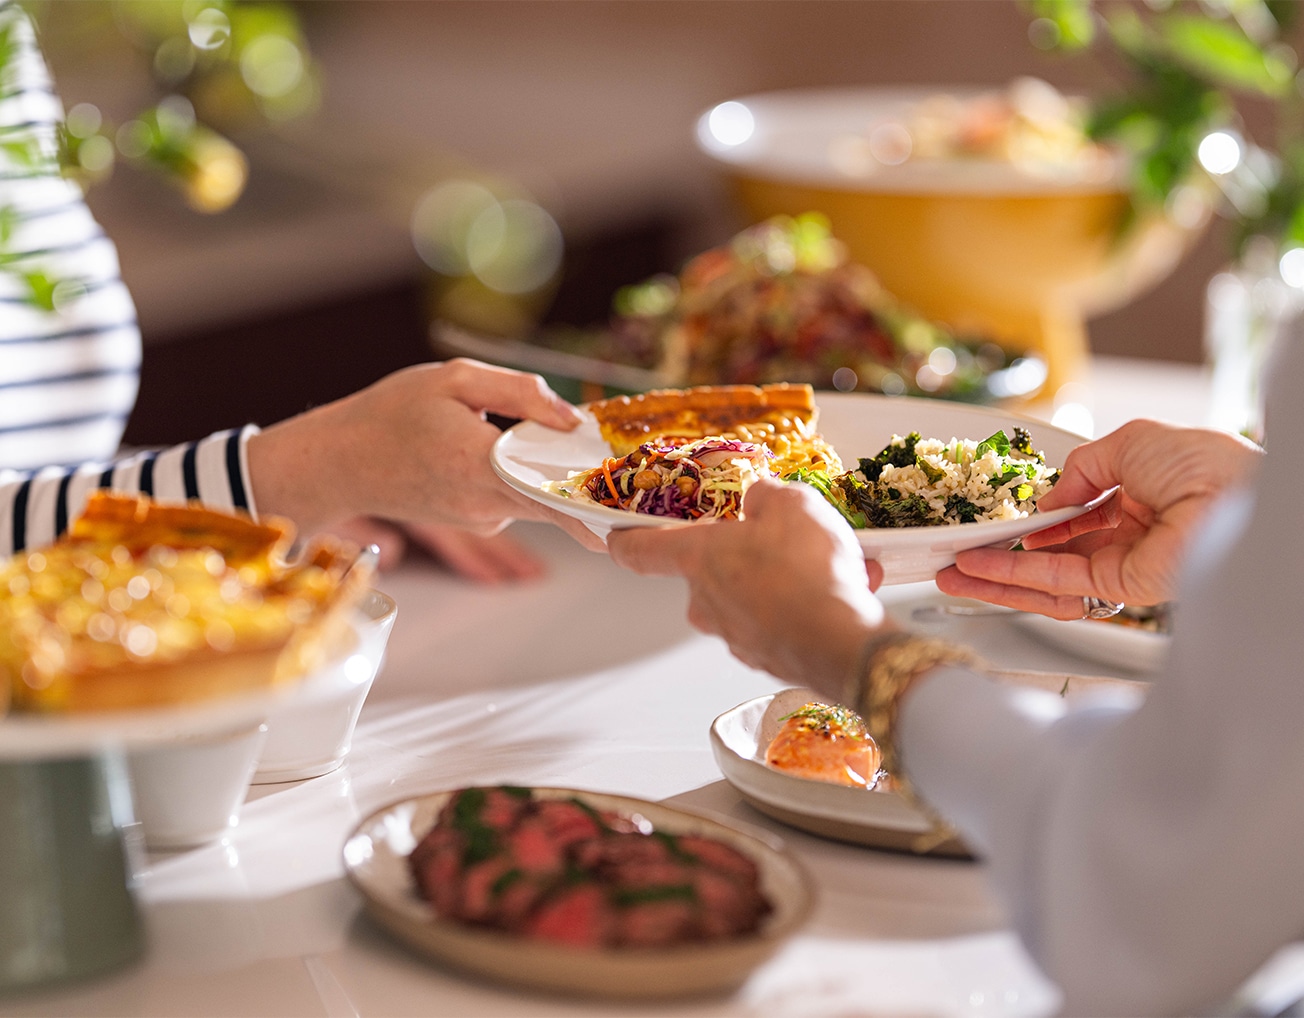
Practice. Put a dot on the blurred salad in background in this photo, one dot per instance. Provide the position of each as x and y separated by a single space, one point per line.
782 302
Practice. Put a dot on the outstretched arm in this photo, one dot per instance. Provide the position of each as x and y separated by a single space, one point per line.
36 506
1147 854
413 447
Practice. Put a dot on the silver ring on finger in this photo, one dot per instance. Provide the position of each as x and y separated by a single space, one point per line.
1100 608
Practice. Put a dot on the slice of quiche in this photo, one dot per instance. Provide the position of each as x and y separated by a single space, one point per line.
780 416
143 604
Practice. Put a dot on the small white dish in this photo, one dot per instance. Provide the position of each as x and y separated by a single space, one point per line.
876 818
376 861
189 793
1104 641
311 734
856 424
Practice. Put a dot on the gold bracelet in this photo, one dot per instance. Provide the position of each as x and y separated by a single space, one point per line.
889 665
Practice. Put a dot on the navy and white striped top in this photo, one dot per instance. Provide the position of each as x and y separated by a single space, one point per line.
68 377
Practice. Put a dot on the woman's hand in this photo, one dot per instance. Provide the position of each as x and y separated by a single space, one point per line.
414 447
786 587
1129 550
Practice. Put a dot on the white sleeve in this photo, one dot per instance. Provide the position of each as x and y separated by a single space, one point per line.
1150 856
36 506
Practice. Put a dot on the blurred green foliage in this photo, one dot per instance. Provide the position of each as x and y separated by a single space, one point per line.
1183 68
214 65
208 62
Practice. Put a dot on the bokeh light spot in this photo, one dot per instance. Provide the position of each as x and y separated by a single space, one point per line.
95 155
442 220
942 360
892 384
83 120
514 247
731 123
219 175
845 380
209 29
890 143
1291 267
133 139
176 116
1044 34
272 66
1219 152
174 58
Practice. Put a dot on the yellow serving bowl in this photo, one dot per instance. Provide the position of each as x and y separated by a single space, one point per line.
1017 254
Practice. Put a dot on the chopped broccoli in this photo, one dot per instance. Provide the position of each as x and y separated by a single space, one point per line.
890 511
894 455
1022 442
962 509
932 473
834 492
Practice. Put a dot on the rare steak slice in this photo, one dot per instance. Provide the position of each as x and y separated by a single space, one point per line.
556 869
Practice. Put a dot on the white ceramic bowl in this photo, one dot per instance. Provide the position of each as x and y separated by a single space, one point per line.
310 735
1017 253
189 792
189 775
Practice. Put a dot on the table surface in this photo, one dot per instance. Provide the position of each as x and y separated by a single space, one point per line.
590 678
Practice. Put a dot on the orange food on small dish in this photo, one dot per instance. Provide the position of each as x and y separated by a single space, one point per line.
826 743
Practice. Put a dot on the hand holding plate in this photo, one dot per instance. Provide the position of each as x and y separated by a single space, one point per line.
1130 549
414 447
786 587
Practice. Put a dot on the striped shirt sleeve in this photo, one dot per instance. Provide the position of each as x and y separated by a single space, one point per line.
36 506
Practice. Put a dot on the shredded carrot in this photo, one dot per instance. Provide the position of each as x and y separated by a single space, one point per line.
606 472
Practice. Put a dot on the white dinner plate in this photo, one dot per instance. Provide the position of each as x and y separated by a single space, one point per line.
31 736
1102 640
857 425
376 861
872 817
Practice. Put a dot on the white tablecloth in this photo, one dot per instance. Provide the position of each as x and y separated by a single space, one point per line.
590 678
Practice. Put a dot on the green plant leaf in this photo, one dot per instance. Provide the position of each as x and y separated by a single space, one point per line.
40 289
1072 18
1221 51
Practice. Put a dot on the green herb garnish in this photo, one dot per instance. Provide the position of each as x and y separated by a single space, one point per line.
997 443
626 896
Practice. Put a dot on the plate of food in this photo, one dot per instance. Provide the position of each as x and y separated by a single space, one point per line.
810 764
780 301
577 892
919 480
1136 639
148 623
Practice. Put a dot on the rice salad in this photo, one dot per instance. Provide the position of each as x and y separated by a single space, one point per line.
918 481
